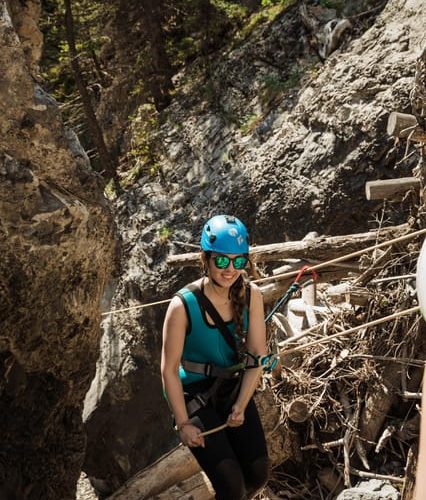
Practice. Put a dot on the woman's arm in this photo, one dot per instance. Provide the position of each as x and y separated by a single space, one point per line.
174 330
256 344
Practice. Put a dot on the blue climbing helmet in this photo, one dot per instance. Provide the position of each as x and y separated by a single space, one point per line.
225 234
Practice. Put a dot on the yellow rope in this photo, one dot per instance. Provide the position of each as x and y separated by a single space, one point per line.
137 307
292 273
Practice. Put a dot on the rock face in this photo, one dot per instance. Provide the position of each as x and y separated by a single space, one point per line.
272 136
57 249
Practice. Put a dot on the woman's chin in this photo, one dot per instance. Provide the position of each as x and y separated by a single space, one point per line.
227 281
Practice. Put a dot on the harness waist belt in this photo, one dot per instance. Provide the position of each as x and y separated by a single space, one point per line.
212 370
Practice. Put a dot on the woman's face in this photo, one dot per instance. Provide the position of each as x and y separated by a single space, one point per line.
224 277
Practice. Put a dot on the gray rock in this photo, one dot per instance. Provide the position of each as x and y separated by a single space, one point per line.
373 489
57 249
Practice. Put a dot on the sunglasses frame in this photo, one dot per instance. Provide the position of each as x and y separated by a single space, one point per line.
230 259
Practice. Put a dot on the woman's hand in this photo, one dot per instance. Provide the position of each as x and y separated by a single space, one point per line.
236 417
190 436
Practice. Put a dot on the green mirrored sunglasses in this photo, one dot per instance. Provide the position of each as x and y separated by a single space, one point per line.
223 261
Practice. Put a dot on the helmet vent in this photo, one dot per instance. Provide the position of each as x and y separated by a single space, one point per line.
230 219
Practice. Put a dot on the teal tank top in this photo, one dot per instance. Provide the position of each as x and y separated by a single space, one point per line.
204 343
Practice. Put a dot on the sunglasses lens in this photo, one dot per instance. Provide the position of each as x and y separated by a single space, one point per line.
222 261
240 262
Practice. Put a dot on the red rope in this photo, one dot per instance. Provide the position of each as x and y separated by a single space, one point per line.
304 270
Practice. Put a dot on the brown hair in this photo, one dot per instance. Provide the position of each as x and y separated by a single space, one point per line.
237 292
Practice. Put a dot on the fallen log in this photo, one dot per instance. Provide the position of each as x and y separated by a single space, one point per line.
174 467
347 292
298 411
297 264
322 248
197 486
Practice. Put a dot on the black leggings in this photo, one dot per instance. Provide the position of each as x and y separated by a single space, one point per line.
236 458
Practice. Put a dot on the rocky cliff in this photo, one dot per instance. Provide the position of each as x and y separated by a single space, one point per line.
57 250
273 133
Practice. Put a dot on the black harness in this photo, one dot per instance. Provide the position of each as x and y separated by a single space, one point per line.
211 370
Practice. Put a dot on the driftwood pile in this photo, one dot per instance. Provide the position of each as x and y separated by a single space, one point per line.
352 400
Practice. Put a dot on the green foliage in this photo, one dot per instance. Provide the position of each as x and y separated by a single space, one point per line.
184 49
165 233
89 18
283 3
233 11
333 4
249 123
271 9
293 78
274 83
143 154
210 93
110 190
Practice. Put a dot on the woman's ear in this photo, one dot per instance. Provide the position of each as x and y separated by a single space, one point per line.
204 264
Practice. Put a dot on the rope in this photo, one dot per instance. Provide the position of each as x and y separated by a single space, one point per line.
344 257
137 307
294 287
406 312
292 273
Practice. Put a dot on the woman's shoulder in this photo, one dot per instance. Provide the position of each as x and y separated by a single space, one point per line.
184 296
197 284
187 292
254 289
255 295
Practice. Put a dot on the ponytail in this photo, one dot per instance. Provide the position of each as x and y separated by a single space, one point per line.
238 296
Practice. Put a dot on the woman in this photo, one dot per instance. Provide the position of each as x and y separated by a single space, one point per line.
207 353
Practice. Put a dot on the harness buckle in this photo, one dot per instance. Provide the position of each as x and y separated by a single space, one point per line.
200 398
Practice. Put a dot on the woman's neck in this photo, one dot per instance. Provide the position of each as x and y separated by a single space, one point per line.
218 292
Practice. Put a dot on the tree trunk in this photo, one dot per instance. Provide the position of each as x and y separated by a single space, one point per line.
92 122
161 74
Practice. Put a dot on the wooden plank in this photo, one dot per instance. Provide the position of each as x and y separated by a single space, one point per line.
390 188
401 124
405 126
309 292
